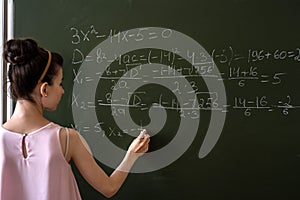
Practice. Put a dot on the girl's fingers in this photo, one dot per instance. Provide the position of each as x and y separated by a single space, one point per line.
143 143
142 134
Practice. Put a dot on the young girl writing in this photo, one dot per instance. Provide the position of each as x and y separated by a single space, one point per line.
35 152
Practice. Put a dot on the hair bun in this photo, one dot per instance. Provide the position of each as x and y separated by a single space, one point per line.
19 59
18 51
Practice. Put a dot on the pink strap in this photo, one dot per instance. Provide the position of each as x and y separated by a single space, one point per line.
67 142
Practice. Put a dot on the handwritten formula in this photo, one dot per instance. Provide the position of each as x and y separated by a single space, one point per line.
241 70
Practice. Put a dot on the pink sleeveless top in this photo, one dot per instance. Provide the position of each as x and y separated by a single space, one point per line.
43 175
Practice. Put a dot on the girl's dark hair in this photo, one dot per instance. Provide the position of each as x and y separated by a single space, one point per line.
27 62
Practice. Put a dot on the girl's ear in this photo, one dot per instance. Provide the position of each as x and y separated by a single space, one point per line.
43 89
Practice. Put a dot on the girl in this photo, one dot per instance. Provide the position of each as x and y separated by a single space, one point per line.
34 152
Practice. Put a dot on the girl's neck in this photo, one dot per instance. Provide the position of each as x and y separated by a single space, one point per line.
25 108
27 116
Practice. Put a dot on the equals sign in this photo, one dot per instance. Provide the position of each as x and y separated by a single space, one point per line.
220 75
225 108
265 77
291 54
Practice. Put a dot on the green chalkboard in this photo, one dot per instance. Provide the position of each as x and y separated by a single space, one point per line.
215 82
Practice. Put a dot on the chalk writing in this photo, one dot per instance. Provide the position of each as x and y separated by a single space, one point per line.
122 72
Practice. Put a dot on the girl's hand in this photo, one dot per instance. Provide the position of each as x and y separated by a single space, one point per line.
140 145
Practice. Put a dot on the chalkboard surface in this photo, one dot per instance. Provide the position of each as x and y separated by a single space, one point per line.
215 82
